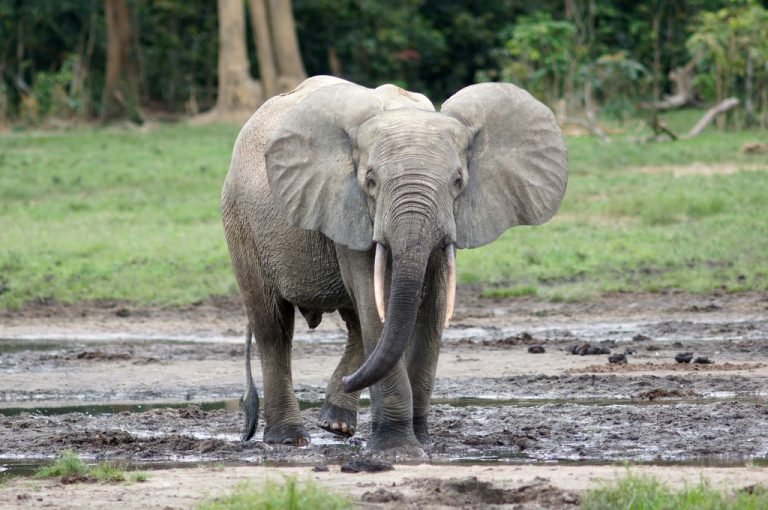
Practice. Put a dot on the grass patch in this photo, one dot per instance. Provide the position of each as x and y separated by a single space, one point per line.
289 495
646 493
70 465
128 215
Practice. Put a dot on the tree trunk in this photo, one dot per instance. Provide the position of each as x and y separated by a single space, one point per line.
239 94
286 45
120 99
748 91
264 51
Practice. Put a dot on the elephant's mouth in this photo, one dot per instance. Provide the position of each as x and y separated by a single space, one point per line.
379 270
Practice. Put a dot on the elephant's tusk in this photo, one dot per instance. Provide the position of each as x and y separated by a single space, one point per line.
379 268
450 298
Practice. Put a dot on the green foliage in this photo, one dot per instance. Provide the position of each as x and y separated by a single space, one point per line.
618 82
69 464
289 495
732 45
544 53
138 476
635 492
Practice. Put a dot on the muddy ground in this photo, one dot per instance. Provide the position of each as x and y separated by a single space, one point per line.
159 388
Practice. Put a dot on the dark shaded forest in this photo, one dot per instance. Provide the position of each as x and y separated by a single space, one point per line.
599 57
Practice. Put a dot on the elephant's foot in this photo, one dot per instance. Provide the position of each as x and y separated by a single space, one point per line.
420 430
290 435
338 420
391 436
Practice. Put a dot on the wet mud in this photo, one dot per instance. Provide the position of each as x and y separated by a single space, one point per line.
154 394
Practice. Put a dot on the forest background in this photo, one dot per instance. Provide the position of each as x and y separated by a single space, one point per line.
107 59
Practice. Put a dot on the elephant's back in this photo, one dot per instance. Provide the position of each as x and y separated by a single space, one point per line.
253 223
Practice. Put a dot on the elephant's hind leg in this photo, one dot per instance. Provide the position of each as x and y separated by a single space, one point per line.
272 321
339 412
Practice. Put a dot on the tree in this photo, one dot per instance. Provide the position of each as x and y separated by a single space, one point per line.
277 49
239 94
277 46
121 88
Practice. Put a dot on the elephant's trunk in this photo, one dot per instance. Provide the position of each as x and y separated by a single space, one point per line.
409 266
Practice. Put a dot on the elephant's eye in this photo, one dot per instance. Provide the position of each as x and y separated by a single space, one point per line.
458 182
370 183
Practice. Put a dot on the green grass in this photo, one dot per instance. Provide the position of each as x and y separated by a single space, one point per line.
645 493
70 464
114 215
67 464
128 215
290 495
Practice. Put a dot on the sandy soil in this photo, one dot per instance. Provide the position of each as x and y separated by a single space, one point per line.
532 429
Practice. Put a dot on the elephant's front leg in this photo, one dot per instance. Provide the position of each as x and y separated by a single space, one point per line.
391 399
339 412
422 356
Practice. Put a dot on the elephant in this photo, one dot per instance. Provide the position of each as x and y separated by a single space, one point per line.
345 198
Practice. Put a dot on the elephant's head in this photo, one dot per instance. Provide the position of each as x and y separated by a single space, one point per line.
382 167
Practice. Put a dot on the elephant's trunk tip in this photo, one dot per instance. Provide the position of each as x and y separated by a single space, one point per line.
348 384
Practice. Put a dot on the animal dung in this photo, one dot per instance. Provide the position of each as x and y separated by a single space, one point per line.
617 359
684 357
366 466
703 360
589 350
536 349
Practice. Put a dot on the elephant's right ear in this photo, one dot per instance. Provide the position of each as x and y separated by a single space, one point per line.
310 165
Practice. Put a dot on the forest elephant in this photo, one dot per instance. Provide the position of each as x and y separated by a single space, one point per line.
350 199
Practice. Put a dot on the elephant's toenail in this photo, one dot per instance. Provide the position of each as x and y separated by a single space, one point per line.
335 426
287 440
343 427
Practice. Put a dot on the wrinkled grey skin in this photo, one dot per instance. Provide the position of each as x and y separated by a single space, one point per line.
323 173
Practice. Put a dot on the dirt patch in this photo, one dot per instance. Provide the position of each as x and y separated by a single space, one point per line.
470 492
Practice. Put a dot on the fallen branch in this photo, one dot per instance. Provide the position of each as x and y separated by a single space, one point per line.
708 117
592 127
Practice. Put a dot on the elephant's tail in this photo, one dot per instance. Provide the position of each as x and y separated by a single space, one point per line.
249 403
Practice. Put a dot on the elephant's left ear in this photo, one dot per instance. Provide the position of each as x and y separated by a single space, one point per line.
517 162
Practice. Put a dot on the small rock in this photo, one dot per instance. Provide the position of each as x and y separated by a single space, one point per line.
703 360
641 338
320 469
684 357
536 349
366 466
629 351
617 359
